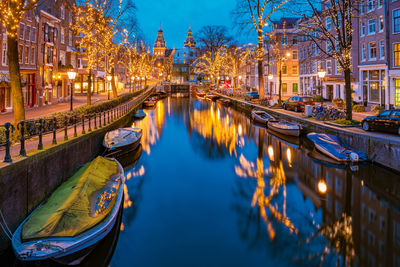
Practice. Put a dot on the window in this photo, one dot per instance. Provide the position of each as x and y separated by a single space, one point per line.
4 54
371 26
396 21
295 55
362 7
362 31
396 54
294 69
22 31
70 38
328 23
33 39
329 67
62 57
381 49
295 88
294 40
27 54
284 40
284 87
20 53
380 3
33 56
70 16
28 33
370 5
62 35
372 50
62 11
79 63
284 69
381 24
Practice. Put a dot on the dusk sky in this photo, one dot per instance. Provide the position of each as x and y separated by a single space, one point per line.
176 15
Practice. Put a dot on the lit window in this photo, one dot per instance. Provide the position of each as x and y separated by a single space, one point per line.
372 50
396 52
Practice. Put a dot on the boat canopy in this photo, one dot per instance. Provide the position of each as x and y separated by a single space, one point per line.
78 204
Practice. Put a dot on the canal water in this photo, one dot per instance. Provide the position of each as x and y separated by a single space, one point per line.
210 188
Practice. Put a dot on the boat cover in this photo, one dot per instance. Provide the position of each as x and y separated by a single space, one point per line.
78 204
140 113
335 146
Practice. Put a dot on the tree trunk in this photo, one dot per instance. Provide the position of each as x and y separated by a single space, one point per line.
280 84
89 89
134 85
260 56
15 79
348 92
113 86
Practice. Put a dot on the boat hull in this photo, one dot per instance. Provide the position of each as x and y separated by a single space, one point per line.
291 132
122 150
69 250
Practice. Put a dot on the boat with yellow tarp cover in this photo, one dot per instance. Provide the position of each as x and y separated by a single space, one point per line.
81 212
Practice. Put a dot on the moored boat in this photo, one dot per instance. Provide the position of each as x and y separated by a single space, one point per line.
224 102
122 140
151 102
161 95
75 218
333 147
139 114
262 117
285 127
200 94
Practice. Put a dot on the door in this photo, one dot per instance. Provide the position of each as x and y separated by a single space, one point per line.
2 98
330 92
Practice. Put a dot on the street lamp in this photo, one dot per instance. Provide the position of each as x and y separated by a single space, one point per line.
270 77
109 77
321 75
71 77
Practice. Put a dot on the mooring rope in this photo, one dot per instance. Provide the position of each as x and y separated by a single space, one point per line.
5 226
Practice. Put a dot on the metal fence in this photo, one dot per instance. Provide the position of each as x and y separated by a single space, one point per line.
31 129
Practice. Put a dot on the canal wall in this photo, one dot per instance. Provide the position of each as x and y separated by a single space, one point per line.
383 150
26 183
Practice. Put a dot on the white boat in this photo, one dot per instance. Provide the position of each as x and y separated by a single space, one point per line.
126 139
285 127
44 241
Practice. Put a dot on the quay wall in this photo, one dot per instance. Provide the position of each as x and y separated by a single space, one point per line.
384 151
26 183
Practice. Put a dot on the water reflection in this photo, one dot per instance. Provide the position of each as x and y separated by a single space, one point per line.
288 205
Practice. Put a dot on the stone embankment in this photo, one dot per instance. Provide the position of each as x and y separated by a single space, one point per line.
381 148
29 180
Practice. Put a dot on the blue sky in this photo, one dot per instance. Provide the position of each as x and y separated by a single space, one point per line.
176 15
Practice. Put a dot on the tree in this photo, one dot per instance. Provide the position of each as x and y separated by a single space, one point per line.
11 13
256 13
237 56
336 42
213 64
212 38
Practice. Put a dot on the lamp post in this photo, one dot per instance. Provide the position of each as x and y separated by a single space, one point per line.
109 77
321 75
71 77
270 77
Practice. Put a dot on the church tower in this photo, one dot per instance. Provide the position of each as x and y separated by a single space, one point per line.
190 42
159 46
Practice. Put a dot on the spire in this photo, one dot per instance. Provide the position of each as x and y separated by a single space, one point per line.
160 42
190 42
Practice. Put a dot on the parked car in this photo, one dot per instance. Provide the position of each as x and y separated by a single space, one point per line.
388 121
297 103
251 95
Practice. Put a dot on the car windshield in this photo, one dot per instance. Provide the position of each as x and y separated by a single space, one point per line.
385 113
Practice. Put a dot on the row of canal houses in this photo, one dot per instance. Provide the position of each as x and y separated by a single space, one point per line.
375 58
47 50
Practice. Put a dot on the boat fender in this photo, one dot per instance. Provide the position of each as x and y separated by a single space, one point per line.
354 157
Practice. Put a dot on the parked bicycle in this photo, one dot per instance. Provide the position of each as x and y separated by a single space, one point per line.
323 113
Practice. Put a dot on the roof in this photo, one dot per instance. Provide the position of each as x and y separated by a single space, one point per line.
285 23
168 52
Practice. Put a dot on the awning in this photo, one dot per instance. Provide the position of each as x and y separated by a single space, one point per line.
71 49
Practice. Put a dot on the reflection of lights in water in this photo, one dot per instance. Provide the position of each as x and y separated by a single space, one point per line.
240 130
212 111
127 201
362 182
122 227
271 152
218 114
169 106
139 173
289 155
322 188
128 176
227 120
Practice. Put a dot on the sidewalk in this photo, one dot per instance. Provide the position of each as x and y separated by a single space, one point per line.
37 112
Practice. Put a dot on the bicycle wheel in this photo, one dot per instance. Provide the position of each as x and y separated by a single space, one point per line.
320 116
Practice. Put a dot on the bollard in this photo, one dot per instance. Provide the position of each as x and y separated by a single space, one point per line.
108 112
83 124
66 128
40 145
7 157
54 131
90 126
22 151
100 120
104 122
75 131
